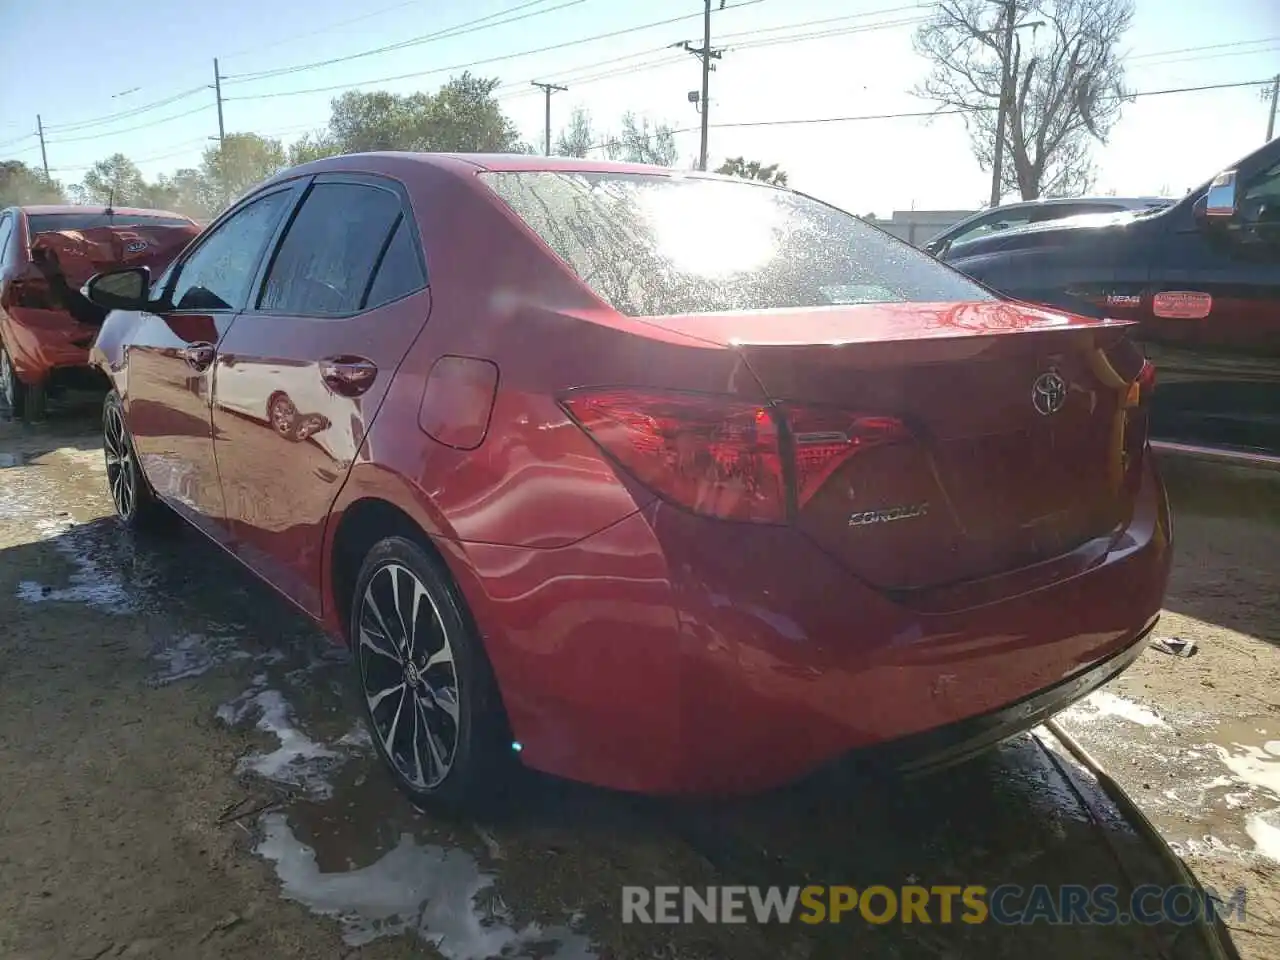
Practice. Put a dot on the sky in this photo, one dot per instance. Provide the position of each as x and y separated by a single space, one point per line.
89 87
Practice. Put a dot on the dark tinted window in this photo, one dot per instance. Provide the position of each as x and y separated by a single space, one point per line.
6 231
328 255
48 222
400 272
652 245
218 274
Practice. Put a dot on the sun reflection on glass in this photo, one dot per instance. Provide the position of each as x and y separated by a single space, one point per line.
708 231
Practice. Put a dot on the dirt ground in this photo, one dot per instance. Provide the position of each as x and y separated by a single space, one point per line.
182 775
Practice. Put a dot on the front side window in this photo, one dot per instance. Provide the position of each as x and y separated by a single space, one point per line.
330 251
1260 204
658 245
218 274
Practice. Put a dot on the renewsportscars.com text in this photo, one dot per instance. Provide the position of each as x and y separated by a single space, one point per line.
1007 904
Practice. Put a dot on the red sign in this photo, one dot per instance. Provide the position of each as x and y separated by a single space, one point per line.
1182 305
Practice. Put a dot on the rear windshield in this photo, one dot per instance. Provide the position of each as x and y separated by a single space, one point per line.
657 245
47 222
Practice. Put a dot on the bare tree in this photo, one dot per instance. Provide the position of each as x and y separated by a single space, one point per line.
1066 85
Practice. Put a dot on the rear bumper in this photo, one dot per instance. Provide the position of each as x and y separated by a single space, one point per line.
674 654
946 746
43 341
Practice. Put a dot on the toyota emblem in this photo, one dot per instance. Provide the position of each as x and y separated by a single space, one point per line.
1048 393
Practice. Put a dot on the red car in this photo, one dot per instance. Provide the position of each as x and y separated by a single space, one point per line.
666 482
46 253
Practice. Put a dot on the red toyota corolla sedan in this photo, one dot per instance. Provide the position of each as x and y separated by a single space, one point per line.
665 482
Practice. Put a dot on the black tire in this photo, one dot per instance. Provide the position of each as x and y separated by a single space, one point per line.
471 775
135 503
26 402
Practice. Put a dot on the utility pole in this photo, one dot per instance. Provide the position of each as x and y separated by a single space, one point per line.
997 161
548 89
1275 98
217 88
706 55
44 157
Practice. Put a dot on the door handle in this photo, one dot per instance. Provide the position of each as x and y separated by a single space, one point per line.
198 355
348 376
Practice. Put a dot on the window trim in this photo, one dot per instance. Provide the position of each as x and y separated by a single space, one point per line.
288 187
376 181
9 220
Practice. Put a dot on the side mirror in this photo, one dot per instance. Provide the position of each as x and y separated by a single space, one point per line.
932 247
119 289
1221 201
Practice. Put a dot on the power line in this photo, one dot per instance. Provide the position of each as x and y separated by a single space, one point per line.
498 59
470 26
325 29
1210 56
124 114
926 114
1212 46
143 126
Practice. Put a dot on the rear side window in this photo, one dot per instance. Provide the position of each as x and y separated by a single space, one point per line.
50 222
657 245
400 272
329 254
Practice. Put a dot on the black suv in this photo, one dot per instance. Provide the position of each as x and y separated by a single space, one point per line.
1203 278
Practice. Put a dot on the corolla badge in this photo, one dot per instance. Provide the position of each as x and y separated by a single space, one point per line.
135 246
1049 393
889 514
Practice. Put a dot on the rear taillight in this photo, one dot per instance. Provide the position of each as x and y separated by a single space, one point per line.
824 439
721 457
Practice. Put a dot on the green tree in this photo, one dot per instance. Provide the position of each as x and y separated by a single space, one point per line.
462 116
578 137
20 184
239 162
753 170
184 191
115 180
642 142
312 146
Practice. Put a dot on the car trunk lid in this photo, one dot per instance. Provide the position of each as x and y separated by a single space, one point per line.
1012 448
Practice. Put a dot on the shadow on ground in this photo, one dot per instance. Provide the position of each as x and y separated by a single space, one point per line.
1233 516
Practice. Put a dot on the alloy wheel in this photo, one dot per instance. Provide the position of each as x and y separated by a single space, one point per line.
410 681
122 476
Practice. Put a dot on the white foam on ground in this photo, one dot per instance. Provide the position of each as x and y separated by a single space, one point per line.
1256 766
1263 831
1103 703
298 761
359 738
425 889
91 583
193 655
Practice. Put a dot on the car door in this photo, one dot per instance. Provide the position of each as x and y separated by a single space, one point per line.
1211 322
171 352
303 370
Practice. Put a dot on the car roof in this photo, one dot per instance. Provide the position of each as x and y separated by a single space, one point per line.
41 209
393 161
